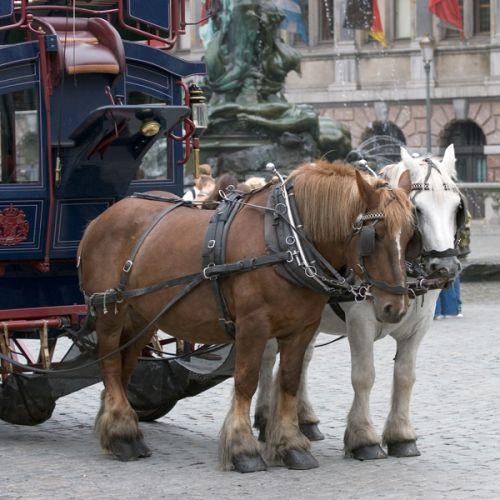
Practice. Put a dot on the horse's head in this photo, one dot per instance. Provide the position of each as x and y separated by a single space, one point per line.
359 222
440 210
384 230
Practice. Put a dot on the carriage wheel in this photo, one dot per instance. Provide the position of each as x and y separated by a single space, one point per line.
152 415
157 384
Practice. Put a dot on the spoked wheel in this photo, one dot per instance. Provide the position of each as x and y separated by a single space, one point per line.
158 383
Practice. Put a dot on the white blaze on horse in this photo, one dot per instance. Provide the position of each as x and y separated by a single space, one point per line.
440 213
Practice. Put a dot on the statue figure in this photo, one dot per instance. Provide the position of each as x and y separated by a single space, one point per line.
247 61
247 64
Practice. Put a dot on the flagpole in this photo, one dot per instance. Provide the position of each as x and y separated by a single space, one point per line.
427 46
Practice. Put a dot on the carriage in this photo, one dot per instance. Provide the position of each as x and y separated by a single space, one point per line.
93 108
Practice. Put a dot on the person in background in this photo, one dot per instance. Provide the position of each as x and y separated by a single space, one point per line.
449 303
203 185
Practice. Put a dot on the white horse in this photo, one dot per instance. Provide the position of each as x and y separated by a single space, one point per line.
439 210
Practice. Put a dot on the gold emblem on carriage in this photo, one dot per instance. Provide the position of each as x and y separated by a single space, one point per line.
14 227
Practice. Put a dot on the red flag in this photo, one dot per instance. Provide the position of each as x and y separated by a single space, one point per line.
448 11
377 31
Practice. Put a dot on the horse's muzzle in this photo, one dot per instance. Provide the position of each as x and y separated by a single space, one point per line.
446 268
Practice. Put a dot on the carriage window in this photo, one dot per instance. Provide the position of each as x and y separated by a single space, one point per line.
19 138
155 161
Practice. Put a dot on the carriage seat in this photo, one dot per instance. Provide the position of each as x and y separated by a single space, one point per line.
90 45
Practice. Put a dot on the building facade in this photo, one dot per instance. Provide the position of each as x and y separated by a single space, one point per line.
374 90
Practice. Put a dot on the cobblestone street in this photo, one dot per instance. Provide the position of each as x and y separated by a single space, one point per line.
455 411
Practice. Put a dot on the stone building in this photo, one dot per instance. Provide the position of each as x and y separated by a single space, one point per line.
350 77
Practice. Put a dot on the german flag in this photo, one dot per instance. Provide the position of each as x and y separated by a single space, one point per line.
365 15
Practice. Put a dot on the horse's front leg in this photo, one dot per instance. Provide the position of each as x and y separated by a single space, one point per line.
284 440
361 441
237 445
399 434
265 388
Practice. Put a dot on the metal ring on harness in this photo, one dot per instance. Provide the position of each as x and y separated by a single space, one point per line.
280 207
290 240
310 271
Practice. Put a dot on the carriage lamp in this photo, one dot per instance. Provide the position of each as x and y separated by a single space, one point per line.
149 128
199 114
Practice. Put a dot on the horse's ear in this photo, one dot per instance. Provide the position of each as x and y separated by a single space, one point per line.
366 191
405 181
410 163
449 160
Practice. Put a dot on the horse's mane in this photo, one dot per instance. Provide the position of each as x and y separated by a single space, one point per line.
329 201
392 173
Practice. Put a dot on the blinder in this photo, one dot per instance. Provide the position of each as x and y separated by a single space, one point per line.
367 240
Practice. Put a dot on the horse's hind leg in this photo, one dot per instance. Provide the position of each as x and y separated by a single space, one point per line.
238 445
284 440
361 441
399 434
265 388
116 423
308 421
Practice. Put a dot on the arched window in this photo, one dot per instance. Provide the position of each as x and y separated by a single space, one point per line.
469 141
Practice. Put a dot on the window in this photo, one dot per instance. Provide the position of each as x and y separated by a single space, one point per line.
326 20
402 19
19 137
155 161
481 16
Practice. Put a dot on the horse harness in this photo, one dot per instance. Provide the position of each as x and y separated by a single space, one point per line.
417 188
293 256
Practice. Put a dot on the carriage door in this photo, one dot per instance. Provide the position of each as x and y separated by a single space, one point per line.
23 193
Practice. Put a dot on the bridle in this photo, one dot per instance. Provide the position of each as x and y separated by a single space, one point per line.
307 261
418 188
365 228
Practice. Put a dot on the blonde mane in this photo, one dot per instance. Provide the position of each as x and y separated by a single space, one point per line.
329 202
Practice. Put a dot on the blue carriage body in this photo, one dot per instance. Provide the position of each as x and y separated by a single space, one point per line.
85 118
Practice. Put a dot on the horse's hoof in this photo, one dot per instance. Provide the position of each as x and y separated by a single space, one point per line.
403 449
249 463
299 460
126 450
371 452
312 432
142 449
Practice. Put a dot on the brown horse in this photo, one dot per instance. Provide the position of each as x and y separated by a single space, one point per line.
330 199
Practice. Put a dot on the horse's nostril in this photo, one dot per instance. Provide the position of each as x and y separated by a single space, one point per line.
388 309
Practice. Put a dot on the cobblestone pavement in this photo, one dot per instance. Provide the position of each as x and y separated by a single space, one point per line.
455 409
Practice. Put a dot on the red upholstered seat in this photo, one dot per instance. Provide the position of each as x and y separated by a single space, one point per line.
87 45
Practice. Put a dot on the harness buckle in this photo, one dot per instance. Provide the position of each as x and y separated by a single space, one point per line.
211 244
204 272
127 266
